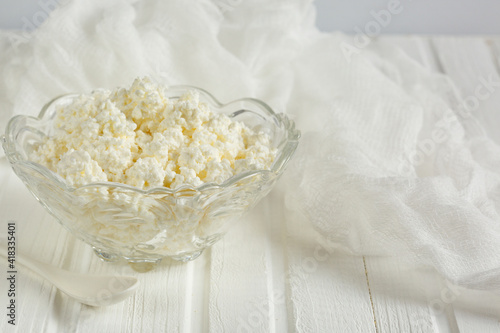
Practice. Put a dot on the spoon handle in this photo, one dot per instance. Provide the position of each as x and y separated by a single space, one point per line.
94 290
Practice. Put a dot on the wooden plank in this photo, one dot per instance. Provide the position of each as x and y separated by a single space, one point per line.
471 64
276 263
401 297
242 286
328 290
400 303
280 277
250 263
152 309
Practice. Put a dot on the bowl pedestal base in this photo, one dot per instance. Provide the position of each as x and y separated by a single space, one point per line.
143 265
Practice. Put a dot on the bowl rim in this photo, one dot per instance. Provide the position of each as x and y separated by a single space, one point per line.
288 146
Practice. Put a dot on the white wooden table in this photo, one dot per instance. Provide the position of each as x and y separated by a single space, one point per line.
270 273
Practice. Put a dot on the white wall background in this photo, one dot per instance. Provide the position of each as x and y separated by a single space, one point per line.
415 16
14 13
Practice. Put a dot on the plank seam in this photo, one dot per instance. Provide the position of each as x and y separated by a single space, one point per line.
370 294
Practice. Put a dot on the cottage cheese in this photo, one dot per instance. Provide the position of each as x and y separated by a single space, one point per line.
139 137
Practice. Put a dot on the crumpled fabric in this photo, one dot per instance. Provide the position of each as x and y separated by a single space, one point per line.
391 160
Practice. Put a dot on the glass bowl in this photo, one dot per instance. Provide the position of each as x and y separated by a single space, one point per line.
144 226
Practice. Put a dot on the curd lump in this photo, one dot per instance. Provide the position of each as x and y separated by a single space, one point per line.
139 137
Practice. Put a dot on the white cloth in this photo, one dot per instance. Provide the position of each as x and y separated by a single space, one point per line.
389 163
